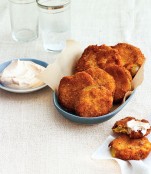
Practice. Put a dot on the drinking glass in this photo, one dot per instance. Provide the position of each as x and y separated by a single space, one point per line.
54 22
24 19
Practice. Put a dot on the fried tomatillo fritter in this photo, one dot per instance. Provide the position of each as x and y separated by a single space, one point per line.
134 128
125 148
132 57
107 55
88 59
94 101
102 78
122 79
71 86
98 56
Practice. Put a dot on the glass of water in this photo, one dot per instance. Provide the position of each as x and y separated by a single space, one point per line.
24 19
54 21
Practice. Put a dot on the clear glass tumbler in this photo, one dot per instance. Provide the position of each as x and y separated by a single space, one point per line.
24 19
54 20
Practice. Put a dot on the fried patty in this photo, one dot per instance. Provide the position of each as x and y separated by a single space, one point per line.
102 78
94 101
125 148
132 57
98 56
71 86
107 56
122 79
88 59
121 127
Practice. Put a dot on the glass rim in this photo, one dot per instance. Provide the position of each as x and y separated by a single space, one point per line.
53 7
22 2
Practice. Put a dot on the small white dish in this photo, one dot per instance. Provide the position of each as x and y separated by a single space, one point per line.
5 64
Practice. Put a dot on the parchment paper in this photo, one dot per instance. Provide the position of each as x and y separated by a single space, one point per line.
63 65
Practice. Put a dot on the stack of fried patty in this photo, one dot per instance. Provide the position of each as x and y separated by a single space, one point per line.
131 144
102 75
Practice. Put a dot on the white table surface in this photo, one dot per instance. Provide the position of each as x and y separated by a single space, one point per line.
34 137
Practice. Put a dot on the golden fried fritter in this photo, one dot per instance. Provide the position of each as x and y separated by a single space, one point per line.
122 79
125 148
132 57
102 78
70 87
98 56
137 130
88 59
107 56
94 101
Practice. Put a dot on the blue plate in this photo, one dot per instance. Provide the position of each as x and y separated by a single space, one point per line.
5 64
91 120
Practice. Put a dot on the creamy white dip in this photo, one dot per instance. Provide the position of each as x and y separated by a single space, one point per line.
21 75
136 126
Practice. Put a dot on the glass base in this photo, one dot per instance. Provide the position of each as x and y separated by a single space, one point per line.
24 35
58 47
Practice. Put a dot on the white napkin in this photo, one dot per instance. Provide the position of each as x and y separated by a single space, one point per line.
127 167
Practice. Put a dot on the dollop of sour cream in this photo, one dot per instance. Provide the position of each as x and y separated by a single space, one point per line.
21 75
136 126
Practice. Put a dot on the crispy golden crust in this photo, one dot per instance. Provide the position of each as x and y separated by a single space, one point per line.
107 56
122 79
132 57
126 148
88 59
98 56
94 101
121 127
71 86
102 78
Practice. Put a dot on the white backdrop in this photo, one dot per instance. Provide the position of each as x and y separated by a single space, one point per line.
34 137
